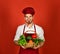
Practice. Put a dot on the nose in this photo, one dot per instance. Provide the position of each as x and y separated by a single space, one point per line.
28 17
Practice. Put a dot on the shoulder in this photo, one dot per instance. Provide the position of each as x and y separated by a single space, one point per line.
40 28
20 26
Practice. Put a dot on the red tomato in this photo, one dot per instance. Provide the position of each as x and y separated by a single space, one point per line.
34 36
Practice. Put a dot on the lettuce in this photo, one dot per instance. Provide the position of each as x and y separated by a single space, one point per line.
22 40
37 41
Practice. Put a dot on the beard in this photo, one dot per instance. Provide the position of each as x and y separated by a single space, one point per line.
29 22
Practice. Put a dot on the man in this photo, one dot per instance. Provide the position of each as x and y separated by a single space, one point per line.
29 26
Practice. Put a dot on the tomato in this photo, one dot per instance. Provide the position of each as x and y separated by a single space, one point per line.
34 36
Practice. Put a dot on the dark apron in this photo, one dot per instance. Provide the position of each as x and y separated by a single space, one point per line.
28 50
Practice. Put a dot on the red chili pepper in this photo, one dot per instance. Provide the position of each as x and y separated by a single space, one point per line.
34 36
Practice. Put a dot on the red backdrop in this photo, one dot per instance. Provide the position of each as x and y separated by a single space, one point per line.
47 15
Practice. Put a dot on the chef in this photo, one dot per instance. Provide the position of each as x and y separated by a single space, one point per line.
29 27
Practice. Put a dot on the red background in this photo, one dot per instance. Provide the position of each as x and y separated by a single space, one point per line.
47 15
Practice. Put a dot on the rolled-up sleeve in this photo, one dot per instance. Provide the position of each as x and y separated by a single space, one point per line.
17 35
41 33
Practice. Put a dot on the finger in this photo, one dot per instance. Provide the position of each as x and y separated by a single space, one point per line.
35 47
23 47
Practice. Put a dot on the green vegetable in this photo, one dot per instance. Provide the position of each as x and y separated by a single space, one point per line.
28 38
37 41
22 37
22 40
40 40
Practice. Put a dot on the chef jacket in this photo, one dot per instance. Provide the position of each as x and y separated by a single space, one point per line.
39 31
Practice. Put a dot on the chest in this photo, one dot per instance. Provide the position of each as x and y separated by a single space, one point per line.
29 30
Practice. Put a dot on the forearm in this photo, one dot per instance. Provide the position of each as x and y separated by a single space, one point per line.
16 42
41 44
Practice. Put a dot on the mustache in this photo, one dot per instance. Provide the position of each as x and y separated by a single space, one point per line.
28 22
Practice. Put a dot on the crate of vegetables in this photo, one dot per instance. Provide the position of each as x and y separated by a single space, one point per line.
30 41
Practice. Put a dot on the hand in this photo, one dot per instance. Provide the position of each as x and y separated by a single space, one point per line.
23 47
36 47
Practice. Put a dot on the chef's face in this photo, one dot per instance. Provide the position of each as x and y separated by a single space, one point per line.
28 18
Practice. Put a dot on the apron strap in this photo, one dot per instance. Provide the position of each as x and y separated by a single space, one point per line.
34 28
23 29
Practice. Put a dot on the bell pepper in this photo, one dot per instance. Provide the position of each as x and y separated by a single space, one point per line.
34 36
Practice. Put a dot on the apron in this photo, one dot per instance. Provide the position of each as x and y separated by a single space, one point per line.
28 50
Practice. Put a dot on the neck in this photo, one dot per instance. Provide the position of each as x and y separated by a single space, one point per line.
29 25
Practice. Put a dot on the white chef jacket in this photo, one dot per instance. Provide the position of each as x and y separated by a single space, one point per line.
39 31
